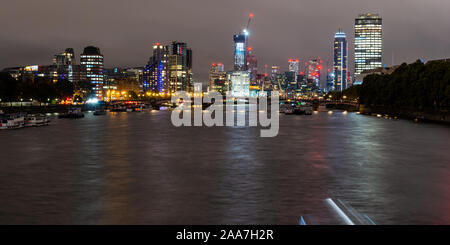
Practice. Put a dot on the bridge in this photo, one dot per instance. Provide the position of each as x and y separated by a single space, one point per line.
339 104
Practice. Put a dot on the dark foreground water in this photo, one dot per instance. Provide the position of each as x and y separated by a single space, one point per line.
136 168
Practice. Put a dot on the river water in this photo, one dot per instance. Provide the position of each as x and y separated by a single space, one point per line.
136 168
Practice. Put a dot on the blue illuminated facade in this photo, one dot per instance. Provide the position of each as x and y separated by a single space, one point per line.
239 52
160 77
340 62
155 77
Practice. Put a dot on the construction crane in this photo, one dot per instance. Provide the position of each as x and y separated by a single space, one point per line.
250 17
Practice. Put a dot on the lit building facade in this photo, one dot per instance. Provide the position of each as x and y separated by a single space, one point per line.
64 63
218 78
239 52
314 68
240 83
294 66
180 68
92 62
368 42
155 74
340 66
275 70
252 66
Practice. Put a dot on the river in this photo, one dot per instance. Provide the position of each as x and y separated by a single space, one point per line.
136 168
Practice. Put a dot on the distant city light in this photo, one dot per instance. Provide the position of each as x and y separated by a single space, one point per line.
92 101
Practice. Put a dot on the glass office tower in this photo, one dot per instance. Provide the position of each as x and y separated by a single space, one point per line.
368 42
340 61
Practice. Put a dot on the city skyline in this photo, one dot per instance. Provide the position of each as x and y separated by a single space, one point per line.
133 46
184 114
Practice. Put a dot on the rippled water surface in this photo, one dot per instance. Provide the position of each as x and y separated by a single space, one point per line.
136 168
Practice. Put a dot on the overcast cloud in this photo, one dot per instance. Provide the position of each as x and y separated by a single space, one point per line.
33 31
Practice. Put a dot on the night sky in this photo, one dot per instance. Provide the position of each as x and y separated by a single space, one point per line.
33 31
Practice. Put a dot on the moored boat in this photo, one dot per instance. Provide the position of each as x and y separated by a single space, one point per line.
99 112
36 120
73 113
118 108
14 121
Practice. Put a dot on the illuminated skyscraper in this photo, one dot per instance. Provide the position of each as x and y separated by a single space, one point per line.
340 61
92 63
252 65
240 83
239 52
314 68
218 78
64 63
368 42
293 67
275 71
155 73
180 68
64 59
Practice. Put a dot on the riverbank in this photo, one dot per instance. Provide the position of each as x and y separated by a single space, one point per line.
42 109
344 107
441 117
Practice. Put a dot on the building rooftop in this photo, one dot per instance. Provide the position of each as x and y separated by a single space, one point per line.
91 50
369 16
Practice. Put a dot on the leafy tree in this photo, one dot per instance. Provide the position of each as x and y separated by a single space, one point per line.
415 86
133 95
64 88
44 90
84 89
9 90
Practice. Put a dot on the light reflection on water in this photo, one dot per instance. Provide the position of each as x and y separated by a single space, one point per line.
136 168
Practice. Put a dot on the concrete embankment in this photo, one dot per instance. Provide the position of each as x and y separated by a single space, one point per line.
406 113
41 109
344 107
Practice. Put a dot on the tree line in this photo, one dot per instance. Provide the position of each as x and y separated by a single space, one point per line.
415 86
42 89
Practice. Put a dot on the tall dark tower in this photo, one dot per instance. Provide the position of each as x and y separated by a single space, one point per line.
368 42
92 63
251 65
340 61
239 52
180 68
155 73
